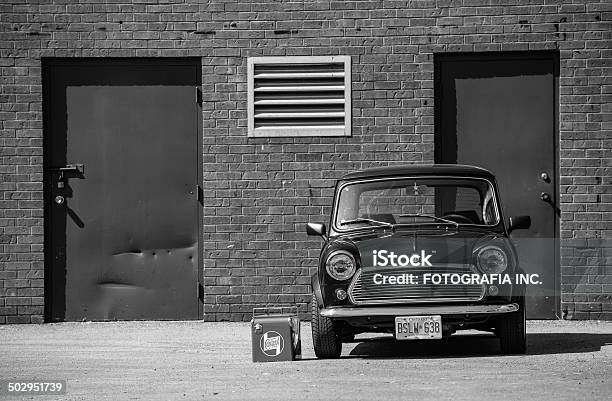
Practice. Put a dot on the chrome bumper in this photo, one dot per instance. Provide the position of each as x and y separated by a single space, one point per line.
419 310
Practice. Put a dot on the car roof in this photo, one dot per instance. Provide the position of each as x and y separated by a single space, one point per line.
421 169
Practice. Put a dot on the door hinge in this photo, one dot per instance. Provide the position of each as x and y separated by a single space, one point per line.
198 95
199 194
200 291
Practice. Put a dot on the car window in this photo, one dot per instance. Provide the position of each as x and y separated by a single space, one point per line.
406 201
489 212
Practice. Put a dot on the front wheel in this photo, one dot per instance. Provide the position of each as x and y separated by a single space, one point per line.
511 330
325 336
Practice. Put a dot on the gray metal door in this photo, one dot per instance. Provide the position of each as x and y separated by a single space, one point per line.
122 231
498 111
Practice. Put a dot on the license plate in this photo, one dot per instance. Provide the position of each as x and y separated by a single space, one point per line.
418 327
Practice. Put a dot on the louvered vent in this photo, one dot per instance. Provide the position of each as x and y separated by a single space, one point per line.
299 96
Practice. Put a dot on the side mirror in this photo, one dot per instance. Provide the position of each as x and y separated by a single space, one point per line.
315 229
519 222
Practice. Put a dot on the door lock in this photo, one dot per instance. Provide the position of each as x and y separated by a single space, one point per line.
545 177
59 199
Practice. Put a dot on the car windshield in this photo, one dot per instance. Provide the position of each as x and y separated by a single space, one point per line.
408 201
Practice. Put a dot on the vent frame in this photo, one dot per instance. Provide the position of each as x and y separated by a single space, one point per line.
326 106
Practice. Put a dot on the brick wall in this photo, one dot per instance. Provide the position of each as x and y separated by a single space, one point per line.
260 192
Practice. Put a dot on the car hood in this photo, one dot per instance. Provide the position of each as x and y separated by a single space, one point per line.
435 247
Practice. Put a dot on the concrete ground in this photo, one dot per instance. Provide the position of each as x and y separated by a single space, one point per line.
566 360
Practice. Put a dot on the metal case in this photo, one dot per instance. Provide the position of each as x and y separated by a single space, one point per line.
275 335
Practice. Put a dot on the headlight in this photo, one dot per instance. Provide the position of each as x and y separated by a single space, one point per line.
340 265
492 259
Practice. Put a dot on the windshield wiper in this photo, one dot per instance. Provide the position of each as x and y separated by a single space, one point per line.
365 220
440 219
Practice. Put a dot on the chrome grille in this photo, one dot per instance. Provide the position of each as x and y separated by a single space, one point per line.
363 291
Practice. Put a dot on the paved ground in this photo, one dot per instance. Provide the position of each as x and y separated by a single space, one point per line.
212 361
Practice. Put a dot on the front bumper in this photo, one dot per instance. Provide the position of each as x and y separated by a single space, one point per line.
419 310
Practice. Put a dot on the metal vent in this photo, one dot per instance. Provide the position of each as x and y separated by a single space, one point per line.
299 96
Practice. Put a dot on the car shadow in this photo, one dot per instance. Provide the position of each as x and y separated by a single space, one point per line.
463 346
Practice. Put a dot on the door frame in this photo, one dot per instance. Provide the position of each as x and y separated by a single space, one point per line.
510 56
47 66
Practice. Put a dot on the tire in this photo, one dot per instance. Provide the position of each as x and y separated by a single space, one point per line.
511 330
325 337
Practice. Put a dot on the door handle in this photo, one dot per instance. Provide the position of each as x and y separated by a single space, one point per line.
78 169
59 200
70 168
74 168
545 196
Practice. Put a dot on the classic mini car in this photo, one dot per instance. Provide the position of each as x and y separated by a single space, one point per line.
419 251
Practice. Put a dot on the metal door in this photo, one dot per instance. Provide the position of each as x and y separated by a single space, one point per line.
498 111
121 166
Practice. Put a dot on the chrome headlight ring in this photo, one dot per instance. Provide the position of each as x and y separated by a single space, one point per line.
492 259
340 265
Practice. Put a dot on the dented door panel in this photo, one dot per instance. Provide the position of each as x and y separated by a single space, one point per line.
124 244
